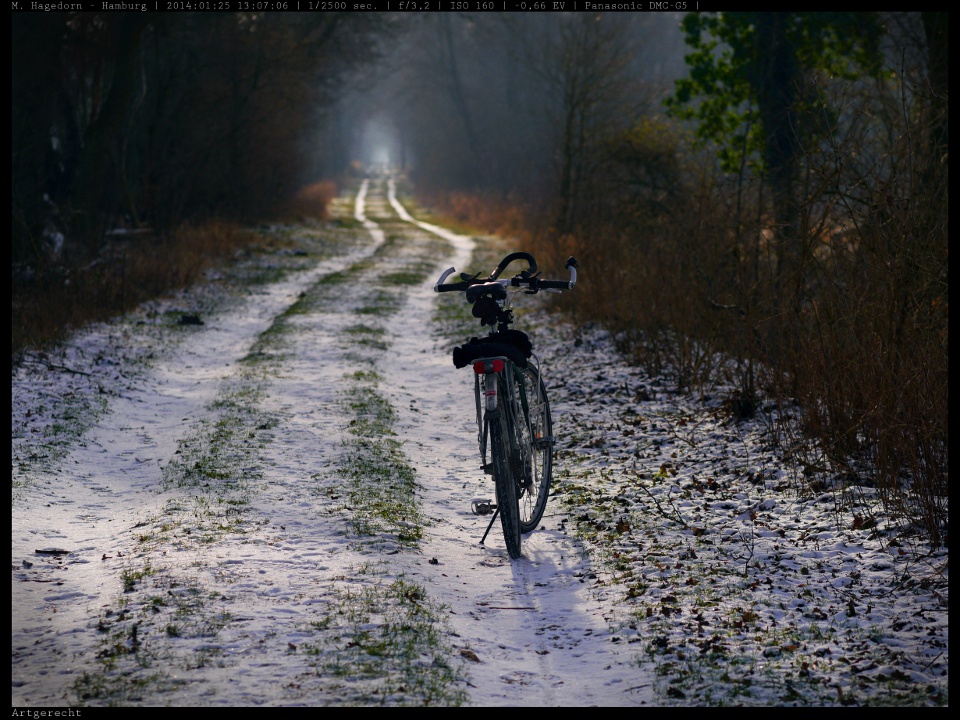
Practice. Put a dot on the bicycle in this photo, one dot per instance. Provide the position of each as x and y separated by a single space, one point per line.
513 412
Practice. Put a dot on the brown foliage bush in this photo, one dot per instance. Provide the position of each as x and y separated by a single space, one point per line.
871 365
58 298
480 213
313 201
677 261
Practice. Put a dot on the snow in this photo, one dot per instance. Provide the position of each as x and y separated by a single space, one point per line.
679 562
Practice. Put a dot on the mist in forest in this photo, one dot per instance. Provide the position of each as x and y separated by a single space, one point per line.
509 103
150 120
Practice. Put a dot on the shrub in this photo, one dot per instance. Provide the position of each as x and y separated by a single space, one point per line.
313 201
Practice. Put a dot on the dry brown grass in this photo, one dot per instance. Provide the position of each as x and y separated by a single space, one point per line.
482 214
871 367
313 201
859 344
59 298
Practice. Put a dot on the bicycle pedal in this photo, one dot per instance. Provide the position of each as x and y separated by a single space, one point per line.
482 506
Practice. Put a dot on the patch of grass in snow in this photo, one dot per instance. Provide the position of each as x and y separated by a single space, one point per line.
117 691
329 290
132 577
350 223
164 620
383 644
218 466
381 304
266 274
364 330
405 277
269 350
372 412
154 633
382 491
381 483
284 249
366 336
69 418
340 276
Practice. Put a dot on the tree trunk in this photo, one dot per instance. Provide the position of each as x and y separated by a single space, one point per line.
935 28
460 102
36 87
776 83
89 184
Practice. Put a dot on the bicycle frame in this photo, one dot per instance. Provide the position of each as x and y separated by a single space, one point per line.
489 369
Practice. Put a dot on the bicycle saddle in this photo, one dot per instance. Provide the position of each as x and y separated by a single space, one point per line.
492 290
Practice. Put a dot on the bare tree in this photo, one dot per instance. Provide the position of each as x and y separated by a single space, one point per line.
584 63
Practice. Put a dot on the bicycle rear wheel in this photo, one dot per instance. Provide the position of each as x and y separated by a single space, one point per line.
503 476
534 428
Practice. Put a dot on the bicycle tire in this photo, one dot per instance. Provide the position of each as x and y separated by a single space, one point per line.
504 480
535 438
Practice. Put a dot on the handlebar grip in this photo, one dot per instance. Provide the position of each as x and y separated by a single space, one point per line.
446 274
555 284
572 267
451 287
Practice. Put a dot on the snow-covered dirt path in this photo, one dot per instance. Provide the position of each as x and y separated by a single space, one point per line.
272 508
72 528
537 635
122 512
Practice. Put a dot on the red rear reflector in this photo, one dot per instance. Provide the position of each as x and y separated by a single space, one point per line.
484 366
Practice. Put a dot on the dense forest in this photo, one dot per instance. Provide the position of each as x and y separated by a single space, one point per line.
759 196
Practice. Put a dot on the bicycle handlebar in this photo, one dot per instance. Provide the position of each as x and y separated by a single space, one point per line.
526 278
502 265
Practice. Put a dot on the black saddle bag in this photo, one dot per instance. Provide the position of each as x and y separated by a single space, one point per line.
511 344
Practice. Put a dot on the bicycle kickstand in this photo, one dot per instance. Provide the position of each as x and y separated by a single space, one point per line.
497 512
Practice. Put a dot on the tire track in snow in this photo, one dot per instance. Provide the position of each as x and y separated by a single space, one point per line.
532 623
303 491
56 598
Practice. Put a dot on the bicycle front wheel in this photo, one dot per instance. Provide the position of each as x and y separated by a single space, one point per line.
534 428
504 480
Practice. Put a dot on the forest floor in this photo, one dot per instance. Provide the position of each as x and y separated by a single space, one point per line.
258 493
